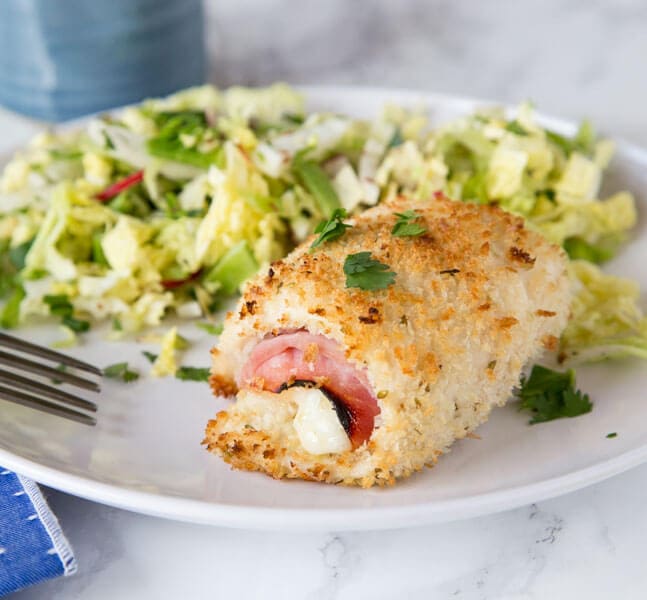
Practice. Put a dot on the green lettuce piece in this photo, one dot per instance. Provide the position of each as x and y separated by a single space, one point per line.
579 249
233 269
318 184
10 316
172 149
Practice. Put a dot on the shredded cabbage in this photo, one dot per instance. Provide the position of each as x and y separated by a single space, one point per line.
166 362
167 206
606 321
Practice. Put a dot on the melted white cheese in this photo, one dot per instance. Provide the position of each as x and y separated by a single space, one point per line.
317 423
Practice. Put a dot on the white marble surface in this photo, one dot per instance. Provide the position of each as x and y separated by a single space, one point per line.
574 59
589 544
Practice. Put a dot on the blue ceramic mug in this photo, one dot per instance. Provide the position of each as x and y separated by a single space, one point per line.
61 59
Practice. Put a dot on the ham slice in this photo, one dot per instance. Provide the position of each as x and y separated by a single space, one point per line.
300 355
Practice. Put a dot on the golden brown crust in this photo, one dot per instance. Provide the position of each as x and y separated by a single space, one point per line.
222 385
253 450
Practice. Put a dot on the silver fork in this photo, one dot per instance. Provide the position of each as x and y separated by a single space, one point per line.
14 387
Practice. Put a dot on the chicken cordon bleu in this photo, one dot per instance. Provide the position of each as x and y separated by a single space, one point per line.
346 383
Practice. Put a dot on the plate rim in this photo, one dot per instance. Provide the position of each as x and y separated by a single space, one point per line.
317 519
412 514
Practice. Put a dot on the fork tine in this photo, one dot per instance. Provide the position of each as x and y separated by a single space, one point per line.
30 385
46 371
45 406
22 346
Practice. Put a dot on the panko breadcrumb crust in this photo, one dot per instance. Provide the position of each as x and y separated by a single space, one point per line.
475 298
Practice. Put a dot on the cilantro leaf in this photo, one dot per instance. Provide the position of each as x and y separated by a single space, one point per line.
152 357
60 305
331 229
62 368
193 373
364 272
552 395
76 325
184 373
406 226
121 371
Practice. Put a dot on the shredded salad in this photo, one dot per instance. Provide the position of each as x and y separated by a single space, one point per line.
167 207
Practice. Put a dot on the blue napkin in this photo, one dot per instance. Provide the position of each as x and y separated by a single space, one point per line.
32 545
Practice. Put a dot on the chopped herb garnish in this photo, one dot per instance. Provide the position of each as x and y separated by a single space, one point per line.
62 369
60 306
151 356
364 272
406 225
212 328
76 325
121 371
193 373
183 373
612 435
552 395
331 229
116 325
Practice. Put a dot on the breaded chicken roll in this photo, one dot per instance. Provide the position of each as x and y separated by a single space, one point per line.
341 379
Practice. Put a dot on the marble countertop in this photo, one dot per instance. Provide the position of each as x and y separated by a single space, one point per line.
573 59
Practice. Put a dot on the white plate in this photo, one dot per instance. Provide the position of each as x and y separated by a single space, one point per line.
145 453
